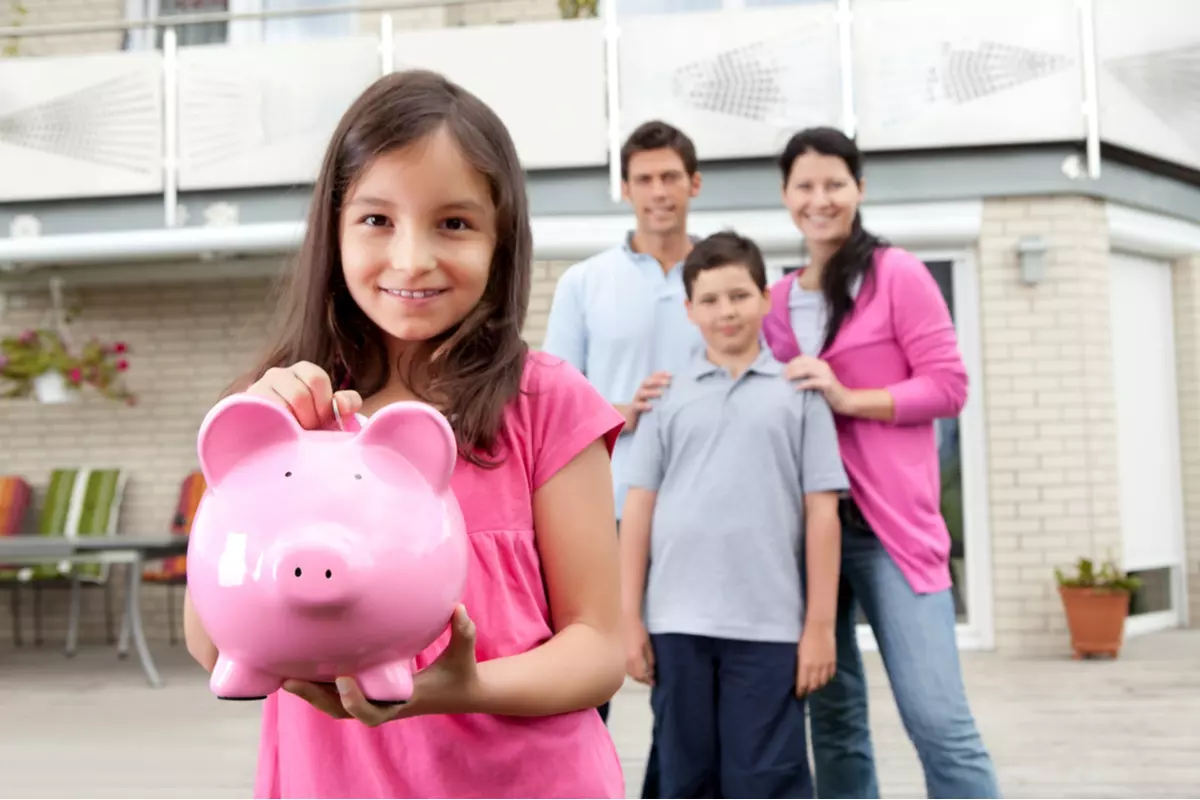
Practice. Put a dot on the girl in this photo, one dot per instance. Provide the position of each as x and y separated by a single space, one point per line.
413 283
865 324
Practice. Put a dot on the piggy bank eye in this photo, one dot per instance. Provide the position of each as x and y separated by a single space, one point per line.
358 477
287 474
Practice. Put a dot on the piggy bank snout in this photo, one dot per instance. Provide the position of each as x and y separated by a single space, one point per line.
314 575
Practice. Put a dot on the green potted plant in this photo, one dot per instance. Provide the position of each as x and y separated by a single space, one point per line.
40 364
1096 603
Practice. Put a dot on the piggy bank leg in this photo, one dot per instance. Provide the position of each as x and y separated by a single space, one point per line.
232 680
388 683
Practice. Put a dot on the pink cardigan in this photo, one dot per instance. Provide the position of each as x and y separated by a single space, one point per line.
900 337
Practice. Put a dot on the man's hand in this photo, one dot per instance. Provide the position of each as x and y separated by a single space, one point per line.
650 390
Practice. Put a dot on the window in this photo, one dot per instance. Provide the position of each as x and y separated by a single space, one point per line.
273 30
635 7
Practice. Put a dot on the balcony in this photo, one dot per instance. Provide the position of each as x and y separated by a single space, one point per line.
914 75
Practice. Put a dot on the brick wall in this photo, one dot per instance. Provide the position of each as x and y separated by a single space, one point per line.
1186 288
187 343
1050 408
54 12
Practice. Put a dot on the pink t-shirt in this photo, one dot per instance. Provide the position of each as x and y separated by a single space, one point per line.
304 753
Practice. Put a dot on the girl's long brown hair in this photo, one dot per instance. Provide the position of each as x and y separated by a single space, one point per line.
474 369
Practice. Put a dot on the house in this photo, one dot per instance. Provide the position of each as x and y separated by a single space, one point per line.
1042 157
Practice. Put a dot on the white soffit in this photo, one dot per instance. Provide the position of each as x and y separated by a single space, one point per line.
1133 230
556 238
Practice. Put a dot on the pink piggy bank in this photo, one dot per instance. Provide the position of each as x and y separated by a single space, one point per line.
316 554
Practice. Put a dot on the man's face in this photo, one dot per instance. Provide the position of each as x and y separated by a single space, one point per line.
659 189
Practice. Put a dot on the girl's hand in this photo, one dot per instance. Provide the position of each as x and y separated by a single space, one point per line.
307 391
813 373
639 654
817 659
450 685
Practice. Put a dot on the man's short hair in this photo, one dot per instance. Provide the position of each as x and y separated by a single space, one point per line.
658 135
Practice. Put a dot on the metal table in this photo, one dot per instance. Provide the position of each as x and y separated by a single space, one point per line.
131 551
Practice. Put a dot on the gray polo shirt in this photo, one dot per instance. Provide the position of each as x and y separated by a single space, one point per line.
731 461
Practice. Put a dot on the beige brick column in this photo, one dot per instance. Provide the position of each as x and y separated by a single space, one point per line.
1186 289
1048 395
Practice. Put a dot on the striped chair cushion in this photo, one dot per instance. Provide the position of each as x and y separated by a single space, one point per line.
80 502
15 494
190 493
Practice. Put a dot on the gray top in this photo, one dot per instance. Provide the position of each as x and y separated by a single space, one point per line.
731 461
809 315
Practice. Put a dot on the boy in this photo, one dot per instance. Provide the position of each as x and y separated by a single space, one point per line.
730 473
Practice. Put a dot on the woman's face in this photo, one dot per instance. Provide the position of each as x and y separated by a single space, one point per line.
823 198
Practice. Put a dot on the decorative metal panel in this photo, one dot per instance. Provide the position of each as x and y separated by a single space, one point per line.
86 126
545 80
1149 55
931 73
738 83
262 115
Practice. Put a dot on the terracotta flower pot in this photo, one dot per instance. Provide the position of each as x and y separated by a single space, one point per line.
1096 619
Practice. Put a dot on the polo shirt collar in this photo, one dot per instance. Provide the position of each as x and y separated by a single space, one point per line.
765 364
627 247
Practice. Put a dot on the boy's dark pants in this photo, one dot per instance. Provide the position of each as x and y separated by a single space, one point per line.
727 720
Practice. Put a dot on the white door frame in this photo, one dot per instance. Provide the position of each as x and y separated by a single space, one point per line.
1146 234
1176 615
979 631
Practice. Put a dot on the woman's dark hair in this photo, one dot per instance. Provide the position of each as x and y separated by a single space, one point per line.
855 259
474 369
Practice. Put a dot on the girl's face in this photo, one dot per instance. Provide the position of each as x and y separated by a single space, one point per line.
418 230
823 198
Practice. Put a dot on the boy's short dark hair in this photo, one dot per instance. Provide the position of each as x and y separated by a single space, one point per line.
658 135
724 249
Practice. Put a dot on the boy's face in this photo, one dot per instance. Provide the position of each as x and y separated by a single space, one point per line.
728 308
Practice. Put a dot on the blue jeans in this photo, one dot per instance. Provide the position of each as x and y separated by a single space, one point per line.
916 640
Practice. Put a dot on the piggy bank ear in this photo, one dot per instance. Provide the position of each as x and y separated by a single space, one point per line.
239 427
416 432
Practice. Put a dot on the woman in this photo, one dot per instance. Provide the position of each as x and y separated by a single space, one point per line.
866 325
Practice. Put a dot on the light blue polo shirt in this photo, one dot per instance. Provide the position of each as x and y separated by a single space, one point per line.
731 460
618 318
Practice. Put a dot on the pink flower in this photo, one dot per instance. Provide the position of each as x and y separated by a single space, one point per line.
76 375
122 365
119 347
28 337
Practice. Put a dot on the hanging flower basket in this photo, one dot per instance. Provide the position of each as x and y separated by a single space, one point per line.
52 387
39 364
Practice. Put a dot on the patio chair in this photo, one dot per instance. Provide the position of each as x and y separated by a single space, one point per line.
79 502
171 573
15 496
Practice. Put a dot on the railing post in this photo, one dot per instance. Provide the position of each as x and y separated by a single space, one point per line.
845 18
1091 89
170 87
387 44
612 66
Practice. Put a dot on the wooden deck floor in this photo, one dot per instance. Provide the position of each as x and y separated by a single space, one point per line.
91 727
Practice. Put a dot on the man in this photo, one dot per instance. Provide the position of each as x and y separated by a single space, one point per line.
620 316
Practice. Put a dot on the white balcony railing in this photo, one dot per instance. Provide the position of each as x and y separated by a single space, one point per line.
900 75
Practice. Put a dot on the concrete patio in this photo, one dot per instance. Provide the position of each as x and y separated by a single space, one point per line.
91 727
